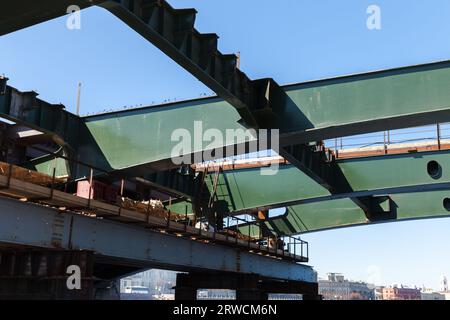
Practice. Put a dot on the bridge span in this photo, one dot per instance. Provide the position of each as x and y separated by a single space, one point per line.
103 192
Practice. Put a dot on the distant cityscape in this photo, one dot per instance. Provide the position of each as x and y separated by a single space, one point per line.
158 285
336 287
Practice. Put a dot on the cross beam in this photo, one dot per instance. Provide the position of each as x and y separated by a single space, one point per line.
245 189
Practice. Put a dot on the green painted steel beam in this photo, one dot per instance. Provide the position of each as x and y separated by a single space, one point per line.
116 141
48 163
370 102
131 138
344 213
147 137
132 142
139 140
244 190
423 99
318 164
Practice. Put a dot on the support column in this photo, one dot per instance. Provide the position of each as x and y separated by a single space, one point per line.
251 295
246 285
42 274
309 290
109 290
185 294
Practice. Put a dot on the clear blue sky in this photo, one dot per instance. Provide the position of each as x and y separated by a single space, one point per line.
289 40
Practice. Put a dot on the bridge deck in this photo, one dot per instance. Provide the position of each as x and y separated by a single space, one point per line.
27 224
31 192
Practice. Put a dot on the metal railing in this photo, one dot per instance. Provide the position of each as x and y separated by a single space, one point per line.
432 135
289 245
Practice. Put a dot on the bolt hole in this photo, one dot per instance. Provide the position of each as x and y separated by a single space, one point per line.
446 204
434 169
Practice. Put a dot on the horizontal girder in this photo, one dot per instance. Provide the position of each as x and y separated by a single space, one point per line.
365 103
26 224
343 213
114 141
368 102
241 190
318 164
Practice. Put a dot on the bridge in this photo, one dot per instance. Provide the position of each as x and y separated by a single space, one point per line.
92 191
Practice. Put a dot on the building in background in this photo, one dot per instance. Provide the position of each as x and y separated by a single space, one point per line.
430 294
401 293
444 283
336 287
212 294
149 285
378 291
444 287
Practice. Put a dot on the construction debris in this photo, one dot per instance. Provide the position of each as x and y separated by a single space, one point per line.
28 175
153 207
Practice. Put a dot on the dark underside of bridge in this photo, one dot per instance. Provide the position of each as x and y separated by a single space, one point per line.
40 246
37 274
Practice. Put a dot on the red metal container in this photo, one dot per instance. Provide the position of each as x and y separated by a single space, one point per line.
99 191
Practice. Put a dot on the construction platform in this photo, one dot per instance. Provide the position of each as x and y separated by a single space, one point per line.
27 191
